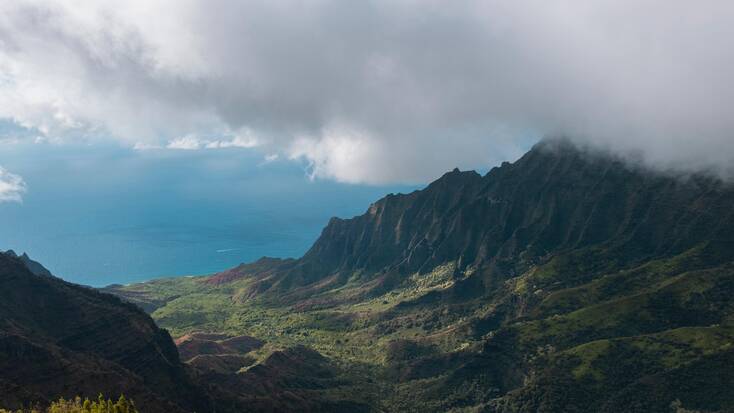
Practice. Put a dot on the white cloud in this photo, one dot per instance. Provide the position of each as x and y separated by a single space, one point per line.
187 143
341 155
12 187
191 142
380 90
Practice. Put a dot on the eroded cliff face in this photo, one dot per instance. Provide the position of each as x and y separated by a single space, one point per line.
555 198
59 339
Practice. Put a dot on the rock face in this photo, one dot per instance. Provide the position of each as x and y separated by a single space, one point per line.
555 198
59 339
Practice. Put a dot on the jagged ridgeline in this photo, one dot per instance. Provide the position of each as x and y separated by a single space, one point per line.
565 281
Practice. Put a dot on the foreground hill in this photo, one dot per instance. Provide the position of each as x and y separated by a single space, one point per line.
60 339
566 281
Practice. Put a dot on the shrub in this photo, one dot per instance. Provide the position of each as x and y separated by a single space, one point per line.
77 405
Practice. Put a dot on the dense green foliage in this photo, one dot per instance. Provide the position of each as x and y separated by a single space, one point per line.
79 405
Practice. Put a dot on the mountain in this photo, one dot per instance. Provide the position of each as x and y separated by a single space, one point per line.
556 198
568 280
33 266
59 339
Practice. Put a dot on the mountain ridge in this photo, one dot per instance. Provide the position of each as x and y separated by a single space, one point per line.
475 220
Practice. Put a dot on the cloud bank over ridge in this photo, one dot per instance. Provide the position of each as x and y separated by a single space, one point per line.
377 91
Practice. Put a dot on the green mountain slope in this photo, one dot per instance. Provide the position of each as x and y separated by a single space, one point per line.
566 281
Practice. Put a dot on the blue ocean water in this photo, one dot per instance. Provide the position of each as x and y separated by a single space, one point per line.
98 215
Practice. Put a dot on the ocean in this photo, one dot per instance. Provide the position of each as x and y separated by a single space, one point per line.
98 216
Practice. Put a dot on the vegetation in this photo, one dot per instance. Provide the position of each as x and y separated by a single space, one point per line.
659 314
79 405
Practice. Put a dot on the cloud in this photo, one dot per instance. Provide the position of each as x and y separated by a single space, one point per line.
12 187
191 142
378 91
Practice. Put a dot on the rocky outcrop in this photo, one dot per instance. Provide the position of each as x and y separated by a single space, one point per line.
33 266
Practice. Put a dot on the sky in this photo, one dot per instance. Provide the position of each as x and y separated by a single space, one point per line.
364 95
